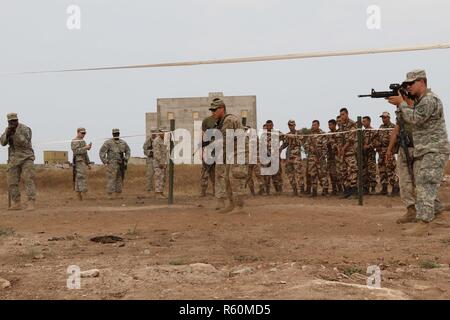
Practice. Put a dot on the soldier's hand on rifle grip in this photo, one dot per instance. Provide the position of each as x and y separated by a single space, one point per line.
88 146
396 100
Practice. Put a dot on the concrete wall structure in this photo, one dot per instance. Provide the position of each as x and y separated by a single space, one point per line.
187 110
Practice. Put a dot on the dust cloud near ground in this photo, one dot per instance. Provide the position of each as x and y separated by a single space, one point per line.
278 247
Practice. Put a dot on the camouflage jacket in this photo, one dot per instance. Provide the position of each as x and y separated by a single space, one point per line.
384 136
148 147
79 152
160 151
112 150
428 125
316 145
20 147
230 121
348 136
371 139
332 145
293 141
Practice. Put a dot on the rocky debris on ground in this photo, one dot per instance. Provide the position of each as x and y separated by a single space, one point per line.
202 268
240 271
4 283
93 273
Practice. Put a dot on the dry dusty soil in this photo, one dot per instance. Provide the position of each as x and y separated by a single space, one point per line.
277 248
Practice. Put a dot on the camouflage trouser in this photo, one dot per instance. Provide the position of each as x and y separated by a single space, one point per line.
428 173
294 172
230 180
317 169
80 176
150 174
407 191
370 170
254 170
26 170
349 170
332 172
160 176
208 173
387 170
277 178
113 178
339 176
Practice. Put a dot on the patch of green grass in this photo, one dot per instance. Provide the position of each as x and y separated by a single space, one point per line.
7 232
427 264
351 270
177 262
247 258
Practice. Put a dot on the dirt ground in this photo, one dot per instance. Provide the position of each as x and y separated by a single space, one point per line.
279 247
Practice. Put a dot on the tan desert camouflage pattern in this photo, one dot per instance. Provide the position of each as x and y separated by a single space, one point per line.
387 169
81 164
110 155
21 162
160 160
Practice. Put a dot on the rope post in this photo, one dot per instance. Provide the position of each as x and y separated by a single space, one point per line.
171 165
360 162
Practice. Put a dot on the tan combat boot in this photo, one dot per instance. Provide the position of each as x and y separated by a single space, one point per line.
30 205
410 215
239 201
229 208
420 229
160 195
220 204
15 206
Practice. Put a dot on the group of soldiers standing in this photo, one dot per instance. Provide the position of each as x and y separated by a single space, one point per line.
115 154
331 159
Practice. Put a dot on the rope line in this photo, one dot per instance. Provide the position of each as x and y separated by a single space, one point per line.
293 56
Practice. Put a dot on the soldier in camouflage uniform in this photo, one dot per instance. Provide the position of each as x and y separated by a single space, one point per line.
405 170
81 162
294 165
208 170
20 161
231 175
431 146
277 178
160 159
316 146
340 178
370 140
332 166
254 169
386 169
148 152
115 154
347 153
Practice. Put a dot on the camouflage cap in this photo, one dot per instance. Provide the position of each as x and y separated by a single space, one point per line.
385 114
415 74
12 116
153 130
216 104
163 129
291 121
115 131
